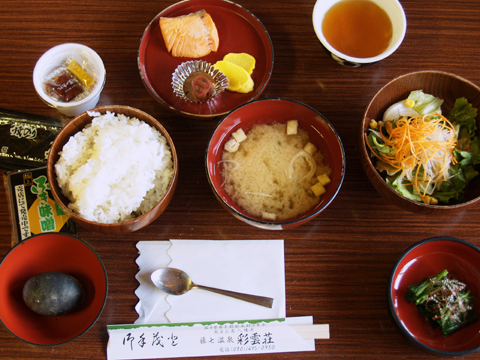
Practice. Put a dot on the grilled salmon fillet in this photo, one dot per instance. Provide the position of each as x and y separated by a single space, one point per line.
193 35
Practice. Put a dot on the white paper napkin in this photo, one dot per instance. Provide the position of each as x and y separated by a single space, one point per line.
248 266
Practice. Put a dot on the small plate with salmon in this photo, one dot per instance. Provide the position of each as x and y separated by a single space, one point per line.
204 30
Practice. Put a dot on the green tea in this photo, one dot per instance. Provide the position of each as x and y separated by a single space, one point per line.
357 28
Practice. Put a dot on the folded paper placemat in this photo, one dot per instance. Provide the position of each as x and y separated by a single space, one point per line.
248 266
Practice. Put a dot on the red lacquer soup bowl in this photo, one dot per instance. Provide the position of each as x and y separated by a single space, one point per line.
51 252
425 259
268 111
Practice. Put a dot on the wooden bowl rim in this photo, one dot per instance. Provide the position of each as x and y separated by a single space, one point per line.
129 225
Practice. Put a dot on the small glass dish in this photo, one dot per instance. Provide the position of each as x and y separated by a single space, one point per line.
189 73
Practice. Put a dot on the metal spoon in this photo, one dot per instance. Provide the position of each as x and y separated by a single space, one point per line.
177 282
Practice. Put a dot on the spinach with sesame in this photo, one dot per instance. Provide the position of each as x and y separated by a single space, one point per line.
443 302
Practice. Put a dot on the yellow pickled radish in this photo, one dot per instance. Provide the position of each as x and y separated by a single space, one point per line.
243 60
247 87
238 77
81 74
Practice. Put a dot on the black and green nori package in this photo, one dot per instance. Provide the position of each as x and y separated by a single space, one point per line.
25 139
33 209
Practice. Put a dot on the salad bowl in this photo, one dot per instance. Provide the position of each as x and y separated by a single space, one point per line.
445 86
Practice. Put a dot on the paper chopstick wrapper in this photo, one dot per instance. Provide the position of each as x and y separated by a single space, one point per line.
161 341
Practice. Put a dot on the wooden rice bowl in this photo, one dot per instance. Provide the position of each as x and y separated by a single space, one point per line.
443 85
76 125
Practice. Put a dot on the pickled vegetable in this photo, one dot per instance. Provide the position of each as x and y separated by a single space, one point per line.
202 88
443 302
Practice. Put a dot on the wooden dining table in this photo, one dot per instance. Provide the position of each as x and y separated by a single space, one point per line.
337 266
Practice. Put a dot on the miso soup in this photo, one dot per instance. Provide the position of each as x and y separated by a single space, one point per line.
271 173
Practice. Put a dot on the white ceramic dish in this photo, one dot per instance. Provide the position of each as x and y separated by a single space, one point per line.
399 22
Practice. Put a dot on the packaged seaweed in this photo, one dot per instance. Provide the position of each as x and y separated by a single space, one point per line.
25 139
32 207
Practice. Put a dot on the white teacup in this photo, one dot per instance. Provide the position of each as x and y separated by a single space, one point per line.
52 59
394 10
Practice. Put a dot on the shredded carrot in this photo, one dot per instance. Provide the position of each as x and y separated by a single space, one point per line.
420 142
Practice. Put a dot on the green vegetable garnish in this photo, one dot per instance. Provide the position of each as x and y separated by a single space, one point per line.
443 302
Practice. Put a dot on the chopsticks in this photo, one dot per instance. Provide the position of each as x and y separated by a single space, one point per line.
314 331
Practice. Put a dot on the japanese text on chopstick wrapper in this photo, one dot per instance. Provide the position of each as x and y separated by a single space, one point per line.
203 339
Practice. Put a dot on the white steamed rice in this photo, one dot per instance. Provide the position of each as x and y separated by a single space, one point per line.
115 169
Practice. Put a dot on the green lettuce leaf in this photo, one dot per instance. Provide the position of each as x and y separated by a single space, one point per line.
425 103
464 114
377 144
462 173
475 150
406 190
